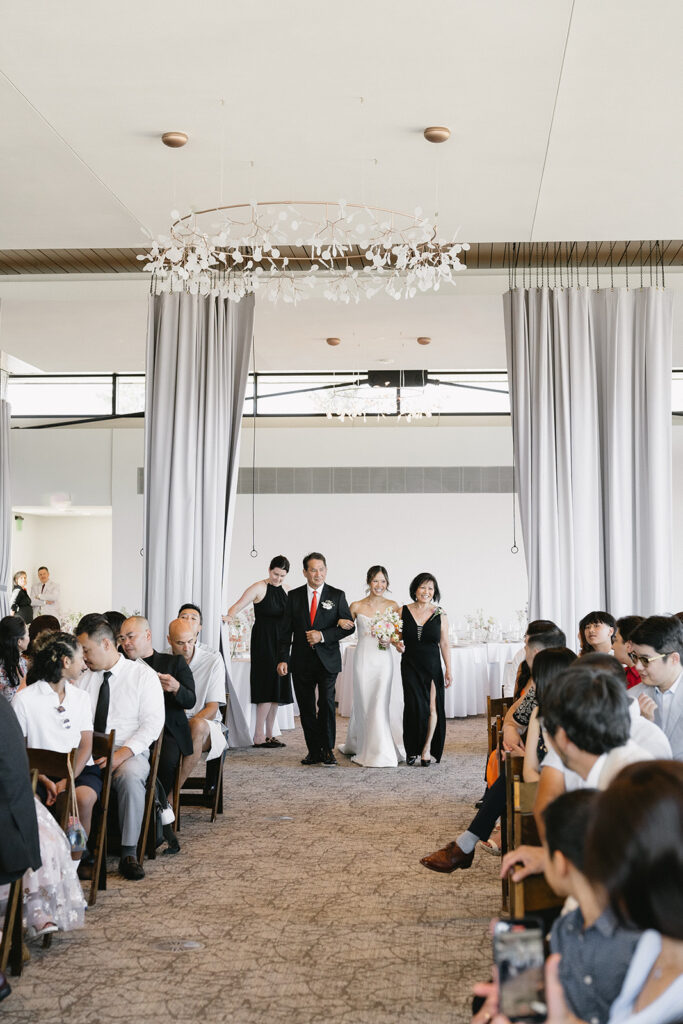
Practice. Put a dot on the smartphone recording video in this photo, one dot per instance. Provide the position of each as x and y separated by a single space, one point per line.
519 956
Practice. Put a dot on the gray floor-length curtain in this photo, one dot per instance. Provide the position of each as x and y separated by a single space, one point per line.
5 509
198 350
590 393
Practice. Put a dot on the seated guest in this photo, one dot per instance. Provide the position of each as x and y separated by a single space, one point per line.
192 613
57 665
622 649
657 651
178 688
547 666
460 852
208 671
587 723
20 602
14 640
634 856
125 696
533 643
519 663
596 949
115 620
596 633
41 624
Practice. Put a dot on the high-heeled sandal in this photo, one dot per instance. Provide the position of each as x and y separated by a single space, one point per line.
425 764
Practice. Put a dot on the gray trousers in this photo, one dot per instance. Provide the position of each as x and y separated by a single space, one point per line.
129 782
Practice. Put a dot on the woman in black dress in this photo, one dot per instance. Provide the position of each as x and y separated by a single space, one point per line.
21 602
268 689
424 644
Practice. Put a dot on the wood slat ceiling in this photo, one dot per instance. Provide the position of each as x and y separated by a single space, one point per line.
481 256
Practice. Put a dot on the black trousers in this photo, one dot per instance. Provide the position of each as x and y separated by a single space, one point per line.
169 758
492 808
317 718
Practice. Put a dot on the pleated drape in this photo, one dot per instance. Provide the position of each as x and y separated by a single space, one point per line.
197 366
590 393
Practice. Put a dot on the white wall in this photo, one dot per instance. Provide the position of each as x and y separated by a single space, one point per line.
78 552
464 539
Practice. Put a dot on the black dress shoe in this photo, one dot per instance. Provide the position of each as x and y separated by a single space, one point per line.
311 759
131 869
5 987
328 759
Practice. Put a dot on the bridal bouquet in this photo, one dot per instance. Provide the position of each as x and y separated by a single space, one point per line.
386 627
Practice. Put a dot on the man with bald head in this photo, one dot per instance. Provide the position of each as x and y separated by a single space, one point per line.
177 683
208 670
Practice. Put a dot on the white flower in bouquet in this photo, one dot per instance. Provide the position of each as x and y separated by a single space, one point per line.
386 627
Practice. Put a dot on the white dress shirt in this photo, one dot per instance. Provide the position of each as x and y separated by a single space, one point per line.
665 699
208 670
42 593
46 728
136 703
605 768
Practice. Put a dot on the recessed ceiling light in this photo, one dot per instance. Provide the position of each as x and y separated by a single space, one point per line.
174 140
424 341
385 362
333 341
437 133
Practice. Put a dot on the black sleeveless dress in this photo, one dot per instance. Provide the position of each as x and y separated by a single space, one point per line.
420 666
266 685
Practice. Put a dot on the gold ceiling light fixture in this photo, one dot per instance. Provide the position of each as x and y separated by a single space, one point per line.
333 341
424 341
174 140
437 133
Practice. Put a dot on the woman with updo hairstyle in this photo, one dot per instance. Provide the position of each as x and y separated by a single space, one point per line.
424 648
14 639
268 690
369 738
55 715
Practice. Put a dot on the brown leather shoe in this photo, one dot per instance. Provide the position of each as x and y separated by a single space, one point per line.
448 859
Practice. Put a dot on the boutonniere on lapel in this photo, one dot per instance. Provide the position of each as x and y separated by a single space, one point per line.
327 605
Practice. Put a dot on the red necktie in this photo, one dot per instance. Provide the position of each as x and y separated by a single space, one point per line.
314 606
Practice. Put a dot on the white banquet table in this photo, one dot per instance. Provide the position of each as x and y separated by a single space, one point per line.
240 669
477 670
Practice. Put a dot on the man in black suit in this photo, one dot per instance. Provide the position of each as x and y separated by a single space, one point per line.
309 639
177 683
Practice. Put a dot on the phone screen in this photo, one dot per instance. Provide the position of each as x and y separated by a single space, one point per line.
519 956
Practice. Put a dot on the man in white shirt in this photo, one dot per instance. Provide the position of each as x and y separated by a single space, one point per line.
125 696
657 647
208 670
45 594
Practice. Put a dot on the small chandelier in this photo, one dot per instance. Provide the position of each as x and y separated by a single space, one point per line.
398 398
284 250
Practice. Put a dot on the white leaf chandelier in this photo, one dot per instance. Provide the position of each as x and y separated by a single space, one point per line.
283 250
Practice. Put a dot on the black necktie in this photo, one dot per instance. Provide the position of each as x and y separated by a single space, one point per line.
102 709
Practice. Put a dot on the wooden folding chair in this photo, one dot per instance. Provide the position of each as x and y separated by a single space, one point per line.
12 942
532 894
202 790
147 843
102 746
50 762
512 765
496 709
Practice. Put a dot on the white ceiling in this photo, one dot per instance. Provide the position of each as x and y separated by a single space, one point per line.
329 101
565 117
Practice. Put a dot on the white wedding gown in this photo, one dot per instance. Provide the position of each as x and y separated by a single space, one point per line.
369 737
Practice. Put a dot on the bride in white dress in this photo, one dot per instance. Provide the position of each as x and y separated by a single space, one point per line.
369 739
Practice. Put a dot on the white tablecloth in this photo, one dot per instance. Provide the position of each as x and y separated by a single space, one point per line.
477 671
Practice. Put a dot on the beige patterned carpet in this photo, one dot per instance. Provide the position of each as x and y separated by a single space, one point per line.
306 896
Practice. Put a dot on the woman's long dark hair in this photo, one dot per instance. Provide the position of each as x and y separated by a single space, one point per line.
12 629
47 660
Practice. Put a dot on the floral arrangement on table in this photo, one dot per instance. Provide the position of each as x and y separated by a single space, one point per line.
69 621
386 628
478 622
238 628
